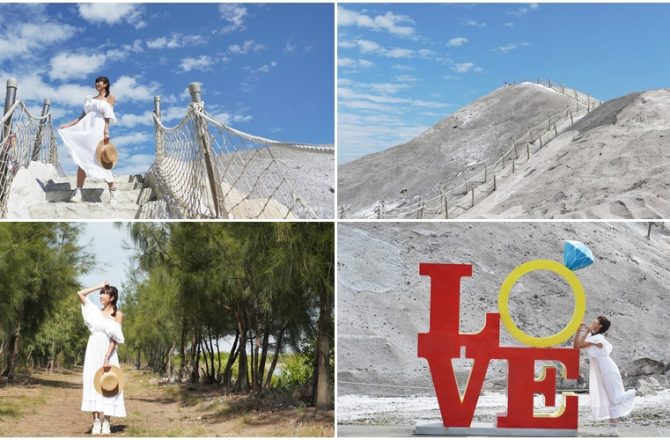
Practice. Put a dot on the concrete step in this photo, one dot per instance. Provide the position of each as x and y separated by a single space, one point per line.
72 211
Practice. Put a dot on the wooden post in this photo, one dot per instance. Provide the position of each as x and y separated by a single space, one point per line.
10 99
494 183
516 153
541 146
555 129
205 144
38 137
649 231
472 192
446 206
572 121
160 143
421 207
513 166
528 151
549 122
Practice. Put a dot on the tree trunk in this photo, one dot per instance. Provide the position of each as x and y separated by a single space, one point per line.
322 398
228 371
273 364
254 360
242 383
264 355
13 355
138 358
182 349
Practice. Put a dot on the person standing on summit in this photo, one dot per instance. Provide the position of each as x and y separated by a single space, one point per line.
87 139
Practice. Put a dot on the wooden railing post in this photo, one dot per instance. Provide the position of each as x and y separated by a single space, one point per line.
205 144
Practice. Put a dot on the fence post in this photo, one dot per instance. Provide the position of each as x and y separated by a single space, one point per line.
541 146
10 98
205 144
53 148
549 122
555 129
516 153
472 192
446 206
421 206
38 137
513 166
158 133
530 128
485 172
528 151
494 183
571 120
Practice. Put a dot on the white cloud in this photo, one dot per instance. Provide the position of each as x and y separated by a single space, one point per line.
175 40
457 42
66 66
465 68
346 94
509 24
390 22
27 39
372 47
473 23
133 139
352 63
234 15
134 164
203 62
228 118
129 120
246 47
289 47
522 10
126 88
504 50
112 13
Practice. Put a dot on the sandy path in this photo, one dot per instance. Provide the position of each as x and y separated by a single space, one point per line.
48 405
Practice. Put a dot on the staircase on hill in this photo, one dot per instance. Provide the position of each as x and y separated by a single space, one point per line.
51 199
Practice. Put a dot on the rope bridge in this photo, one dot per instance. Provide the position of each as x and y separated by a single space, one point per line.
206 169
24 137
449 200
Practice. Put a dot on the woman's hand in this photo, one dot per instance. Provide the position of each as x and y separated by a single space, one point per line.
105 364
103 284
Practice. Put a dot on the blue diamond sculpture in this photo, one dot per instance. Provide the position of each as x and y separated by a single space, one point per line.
576 255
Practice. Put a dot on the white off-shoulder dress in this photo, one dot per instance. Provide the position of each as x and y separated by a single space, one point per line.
102 330
608 398
82 139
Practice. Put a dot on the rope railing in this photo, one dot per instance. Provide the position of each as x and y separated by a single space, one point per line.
24 138
451 200
206 169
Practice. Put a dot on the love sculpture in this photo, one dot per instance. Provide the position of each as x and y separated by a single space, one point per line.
445 342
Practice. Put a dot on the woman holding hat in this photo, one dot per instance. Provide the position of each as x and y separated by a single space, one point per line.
609 400
103 380
87 139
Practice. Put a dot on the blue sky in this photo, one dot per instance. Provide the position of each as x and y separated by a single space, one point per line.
403 67
267 69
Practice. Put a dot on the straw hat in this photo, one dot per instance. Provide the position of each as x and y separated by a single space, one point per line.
109 381
106 155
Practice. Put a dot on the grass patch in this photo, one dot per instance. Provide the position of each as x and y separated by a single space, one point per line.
9 410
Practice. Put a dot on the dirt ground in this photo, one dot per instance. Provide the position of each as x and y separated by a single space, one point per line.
48 405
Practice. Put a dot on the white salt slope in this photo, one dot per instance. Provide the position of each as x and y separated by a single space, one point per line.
611 164
479 132
382 301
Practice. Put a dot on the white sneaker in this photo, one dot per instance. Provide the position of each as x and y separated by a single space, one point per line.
106 429
97 427
76 196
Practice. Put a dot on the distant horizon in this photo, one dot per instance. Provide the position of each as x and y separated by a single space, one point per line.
404 67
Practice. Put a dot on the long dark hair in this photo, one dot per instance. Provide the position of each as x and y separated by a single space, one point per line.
604 324
114 293
106 81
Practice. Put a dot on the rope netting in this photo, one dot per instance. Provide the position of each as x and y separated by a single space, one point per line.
447 200
247 177
26 138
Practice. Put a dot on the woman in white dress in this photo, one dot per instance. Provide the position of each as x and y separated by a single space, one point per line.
106 334
608 398
82 136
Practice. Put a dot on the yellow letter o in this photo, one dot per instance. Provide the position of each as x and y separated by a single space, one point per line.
577 314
